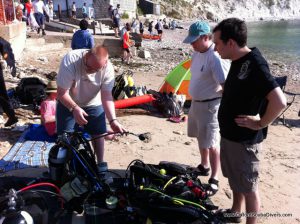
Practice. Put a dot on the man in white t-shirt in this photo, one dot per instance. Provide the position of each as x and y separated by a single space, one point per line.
74 10
208 76
85 81
39 9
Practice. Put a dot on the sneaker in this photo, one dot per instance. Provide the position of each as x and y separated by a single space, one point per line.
11 121
102 167
43 33
38 30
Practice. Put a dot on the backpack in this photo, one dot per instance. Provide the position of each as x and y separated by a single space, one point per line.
167 104
115 14
31 90
124 86
156 26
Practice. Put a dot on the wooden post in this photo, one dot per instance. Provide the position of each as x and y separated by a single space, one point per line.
59 11
67 5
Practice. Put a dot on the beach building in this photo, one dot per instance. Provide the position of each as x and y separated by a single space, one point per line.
149 7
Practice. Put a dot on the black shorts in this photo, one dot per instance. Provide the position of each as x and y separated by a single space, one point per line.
126 49
159 31
116 23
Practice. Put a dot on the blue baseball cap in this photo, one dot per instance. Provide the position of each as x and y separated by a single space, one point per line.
196 30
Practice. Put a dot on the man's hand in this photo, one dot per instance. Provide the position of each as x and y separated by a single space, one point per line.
112 136
117 127
251 122
79 115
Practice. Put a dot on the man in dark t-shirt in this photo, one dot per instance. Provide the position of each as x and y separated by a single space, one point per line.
251 101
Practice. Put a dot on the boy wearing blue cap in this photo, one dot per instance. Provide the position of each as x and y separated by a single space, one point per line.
208 76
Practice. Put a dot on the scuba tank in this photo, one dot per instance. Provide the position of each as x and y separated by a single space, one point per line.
57 159
130 85
14 215
130 89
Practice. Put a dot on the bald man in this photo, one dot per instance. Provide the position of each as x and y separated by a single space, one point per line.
85 81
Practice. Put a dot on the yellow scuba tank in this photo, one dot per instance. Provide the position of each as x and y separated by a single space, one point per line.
130 84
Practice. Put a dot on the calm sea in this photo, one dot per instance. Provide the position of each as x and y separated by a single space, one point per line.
278 40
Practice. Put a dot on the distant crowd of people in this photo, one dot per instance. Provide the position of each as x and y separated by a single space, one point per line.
36 12
84 10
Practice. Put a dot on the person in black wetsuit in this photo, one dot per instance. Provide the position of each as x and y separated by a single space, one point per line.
7 59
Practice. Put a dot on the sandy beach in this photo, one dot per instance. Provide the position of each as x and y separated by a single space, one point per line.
280 166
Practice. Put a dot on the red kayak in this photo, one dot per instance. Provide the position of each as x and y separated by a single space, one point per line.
119 104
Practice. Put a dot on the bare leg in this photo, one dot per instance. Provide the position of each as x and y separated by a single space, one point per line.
43 30
204 157
214 157
252 205
129 55
124 55
98 145
238 200
116 32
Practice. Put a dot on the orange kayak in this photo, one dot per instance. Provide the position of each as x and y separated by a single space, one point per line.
152 37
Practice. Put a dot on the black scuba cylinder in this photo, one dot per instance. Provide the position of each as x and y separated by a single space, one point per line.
57 159
14 214
16 217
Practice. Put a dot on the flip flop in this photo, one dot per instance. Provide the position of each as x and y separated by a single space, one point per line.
202 170
175 119
212 187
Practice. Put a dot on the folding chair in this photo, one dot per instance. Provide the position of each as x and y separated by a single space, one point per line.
282 83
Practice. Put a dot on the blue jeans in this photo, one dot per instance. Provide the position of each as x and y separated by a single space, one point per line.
39 17
65 121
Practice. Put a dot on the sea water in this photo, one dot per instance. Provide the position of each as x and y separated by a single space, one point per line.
278 40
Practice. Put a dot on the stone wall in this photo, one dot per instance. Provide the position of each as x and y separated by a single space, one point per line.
112 44
15 34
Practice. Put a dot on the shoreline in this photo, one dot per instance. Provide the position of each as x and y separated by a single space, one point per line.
186 23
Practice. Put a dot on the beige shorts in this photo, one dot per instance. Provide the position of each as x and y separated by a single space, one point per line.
203 123
240 164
